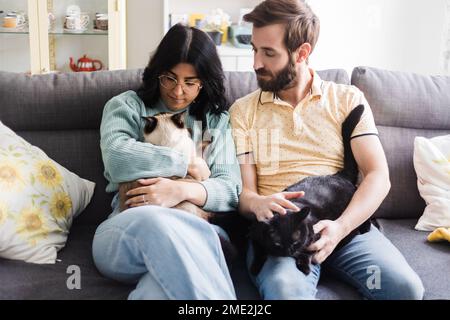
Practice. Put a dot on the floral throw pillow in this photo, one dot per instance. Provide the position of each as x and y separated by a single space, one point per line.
38 201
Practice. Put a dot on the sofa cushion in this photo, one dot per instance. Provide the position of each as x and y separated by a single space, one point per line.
403 199
65 101
21 280
404 105
431 261
406 100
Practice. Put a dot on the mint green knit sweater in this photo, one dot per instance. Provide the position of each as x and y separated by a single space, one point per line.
127 158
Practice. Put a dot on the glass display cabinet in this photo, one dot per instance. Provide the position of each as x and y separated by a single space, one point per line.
43 36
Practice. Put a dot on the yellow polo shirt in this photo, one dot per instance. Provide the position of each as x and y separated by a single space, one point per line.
290 143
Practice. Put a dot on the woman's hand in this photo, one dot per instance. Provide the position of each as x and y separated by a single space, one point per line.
198 169
156 191
264 206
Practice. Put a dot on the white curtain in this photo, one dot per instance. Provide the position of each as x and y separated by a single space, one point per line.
445 56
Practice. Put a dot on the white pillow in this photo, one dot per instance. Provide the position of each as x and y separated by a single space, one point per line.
432 165
38 201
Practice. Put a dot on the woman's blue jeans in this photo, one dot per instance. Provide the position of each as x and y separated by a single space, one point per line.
167 253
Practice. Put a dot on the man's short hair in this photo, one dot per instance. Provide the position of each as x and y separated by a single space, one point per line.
302 25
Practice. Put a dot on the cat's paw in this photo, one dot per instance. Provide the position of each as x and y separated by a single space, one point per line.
304 267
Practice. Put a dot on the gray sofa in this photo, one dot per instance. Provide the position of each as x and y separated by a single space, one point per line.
61 114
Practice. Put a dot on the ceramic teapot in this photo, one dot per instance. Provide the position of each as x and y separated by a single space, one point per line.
86 64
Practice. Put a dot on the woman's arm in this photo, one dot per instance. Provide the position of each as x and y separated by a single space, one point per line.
124 157
224 185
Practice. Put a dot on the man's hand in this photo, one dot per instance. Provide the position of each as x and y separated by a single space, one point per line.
264 206
331 233
156 191
198 169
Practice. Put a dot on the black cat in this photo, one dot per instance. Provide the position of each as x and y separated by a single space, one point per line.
326 197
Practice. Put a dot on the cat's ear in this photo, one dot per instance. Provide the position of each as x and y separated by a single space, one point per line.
304 213
191 133
150 124
178 119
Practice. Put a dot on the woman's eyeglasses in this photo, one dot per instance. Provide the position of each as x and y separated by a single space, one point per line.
190 87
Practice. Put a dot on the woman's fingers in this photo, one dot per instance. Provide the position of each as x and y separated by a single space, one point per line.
138 191
150 181
133 201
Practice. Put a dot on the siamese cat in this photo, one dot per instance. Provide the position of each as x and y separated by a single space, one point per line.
166 129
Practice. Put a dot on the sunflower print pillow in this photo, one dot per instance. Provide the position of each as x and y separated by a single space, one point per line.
38 201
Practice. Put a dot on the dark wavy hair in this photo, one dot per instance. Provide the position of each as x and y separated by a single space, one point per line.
189 45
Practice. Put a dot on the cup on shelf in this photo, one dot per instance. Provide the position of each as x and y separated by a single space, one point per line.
9 22
101 21
14 20
76 23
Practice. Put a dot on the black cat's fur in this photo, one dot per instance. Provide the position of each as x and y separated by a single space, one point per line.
326 197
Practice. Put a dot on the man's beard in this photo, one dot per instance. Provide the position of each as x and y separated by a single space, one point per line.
282 80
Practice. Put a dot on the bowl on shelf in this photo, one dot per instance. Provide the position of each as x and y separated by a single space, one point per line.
216 36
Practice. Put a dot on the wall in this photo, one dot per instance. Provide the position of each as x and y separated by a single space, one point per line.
145 22
392 34
403 35
144 30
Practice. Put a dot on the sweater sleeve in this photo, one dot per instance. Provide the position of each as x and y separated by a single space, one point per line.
224 185
127 159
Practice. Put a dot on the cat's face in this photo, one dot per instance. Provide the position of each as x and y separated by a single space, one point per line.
284 235
166 129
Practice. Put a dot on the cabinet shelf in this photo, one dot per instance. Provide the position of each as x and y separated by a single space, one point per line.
14 31
89 32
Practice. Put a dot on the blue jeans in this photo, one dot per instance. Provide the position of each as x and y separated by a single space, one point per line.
168 253
370 263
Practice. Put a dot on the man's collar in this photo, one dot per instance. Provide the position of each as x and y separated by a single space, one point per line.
316 87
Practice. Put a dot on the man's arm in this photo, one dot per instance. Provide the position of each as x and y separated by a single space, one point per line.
374 187
251 204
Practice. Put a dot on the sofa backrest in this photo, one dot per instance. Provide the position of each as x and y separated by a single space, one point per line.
404 105
61 114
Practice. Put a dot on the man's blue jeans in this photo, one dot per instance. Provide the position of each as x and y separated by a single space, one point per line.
168 253
370 263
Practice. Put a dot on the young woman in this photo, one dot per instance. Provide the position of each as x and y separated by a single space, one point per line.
169 253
